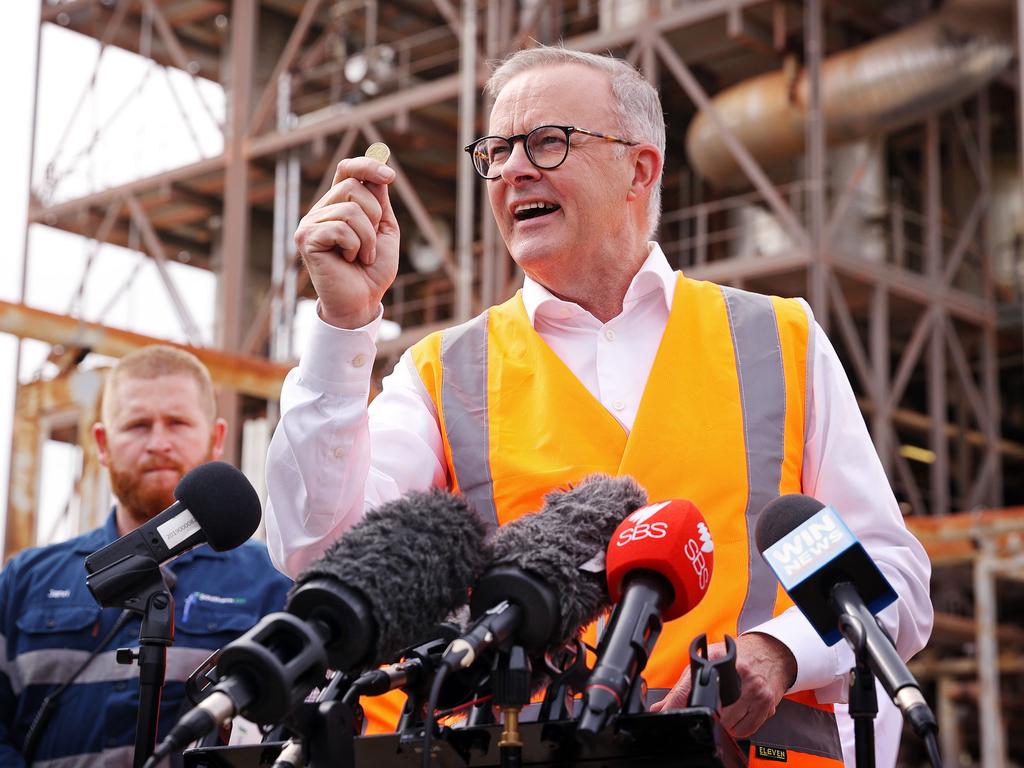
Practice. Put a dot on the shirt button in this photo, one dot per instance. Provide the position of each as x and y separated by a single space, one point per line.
339 453
51 622
609 334
618 405
359 361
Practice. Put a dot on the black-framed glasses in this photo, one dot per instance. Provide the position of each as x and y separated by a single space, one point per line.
546 146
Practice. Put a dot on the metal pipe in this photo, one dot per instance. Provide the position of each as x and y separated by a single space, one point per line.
466 176
877 87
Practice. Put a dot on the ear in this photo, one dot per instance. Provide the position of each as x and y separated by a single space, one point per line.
220 430
99 434
646 171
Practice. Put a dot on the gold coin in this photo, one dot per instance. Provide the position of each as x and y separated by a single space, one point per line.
379 151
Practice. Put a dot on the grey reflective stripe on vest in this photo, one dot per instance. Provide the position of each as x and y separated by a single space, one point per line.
464 405
793 726
53 666
118 757
755 336
803 729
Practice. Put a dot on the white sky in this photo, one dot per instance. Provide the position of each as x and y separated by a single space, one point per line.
107 143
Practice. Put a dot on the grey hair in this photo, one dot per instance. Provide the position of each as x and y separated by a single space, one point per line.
637 103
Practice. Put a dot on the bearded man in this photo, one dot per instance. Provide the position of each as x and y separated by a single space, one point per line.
64 699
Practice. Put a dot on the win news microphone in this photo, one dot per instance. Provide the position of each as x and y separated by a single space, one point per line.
385 584
838 587
538 589
659 566
216 505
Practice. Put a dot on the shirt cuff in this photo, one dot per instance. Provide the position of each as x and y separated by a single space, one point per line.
339 361
819 668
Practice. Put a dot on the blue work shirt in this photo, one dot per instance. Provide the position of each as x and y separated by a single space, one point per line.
49 623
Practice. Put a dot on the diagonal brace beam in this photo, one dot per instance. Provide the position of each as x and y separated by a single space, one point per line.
156 250
739 152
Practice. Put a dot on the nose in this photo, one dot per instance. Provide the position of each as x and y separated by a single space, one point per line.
518 167
159 439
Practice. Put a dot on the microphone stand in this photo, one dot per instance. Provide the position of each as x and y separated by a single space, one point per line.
324 730
863 696
137 584
511 693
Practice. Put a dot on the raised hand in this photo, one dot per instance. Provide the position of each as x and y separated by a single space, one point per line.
349 243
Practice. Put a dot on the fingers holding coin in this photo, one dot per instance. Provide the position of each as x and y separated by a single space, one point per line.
371 167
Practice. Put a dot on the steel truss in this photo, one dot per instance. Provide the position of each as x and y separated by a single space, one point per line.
918 328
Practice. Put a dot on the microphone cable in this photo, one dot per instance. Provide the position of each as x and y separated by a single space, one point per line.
932 746
430 722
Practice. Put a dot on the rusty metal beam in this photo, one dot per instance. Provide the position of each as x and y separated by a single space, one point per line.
880 367
450 15
245 374
109 31
466 182
50 214
990 712
750 166
23 483
178 55
231 285
814 132
156 250
337 119
848 328
284 61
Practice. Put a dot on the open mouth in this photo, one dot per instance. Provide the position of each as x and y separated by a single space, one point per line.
528 211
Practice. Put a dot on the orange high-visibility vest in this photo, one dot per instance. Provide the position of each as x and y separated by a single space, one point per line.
721 423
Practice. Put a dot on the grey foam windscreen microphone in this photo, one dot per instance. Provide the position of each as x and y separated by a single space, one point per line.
393 577
571 528
537 586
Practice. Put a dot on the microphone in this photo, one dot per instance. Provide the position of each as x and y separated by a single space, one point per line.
196 517
215 504
835 583
659 567
387 582
543 582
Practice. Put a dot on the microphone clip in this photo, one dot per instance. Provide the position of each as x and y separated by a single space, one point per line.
713 683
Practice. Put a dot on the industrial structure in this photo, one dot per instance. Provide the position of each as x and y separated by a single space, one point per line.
865 154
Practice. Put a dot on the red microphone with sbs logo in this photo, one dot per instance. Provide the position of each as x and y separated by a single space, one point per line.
659 564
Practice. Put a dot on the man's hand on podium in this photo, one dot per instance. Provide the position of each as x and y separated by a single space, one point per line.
766 669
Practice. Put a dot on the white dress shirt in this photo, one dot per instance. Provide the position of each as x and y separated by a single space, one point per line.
332 458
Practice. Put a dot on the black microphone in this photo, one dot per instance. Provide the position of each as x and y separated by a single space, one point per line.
387 582
216 504
838 587
546 577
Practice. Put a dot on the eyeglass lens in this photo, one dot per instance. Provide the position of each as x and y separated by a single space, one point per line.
546 147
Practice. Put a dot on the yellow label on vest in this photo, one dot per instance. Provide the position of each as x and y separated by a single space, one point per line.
772 753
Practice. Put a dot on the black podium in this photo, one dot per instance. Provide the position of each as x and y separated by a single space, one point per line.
689 738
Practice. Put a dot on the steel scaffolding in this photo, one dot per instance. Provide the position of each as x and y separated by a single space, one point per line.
905 274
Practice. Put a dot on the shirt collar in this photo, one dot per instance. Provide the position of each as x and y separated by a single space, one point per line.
654 275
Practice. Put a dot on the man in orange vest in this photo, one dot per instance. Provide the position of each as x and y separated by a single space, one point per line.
606 361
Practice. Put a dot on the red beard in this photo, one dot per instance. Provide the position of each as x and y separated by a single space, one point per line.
145 498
